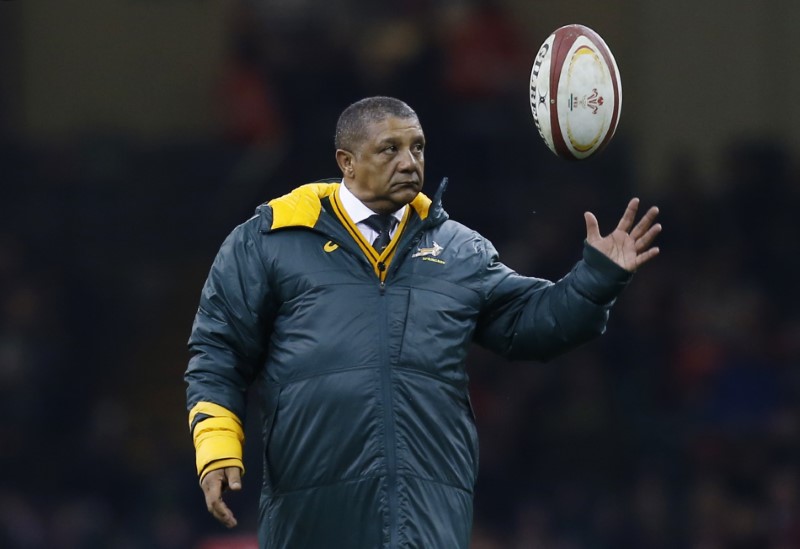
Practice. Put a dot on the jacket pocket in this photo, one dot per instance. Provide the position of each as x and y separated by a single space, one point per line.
307 448
398 322
270 419
438 330
474 437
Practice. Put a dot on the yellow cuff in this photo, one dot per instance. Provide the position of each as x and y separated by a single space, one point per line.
218 441
212 410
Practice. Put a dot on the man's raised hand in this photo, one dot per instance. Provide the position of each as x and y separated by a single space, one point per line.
629 246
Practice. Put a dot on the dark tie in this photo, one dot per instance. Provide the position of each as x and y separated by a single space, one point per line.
381 224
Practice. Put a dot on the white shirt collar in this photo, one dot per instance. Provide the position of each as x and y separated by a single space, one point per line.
356 209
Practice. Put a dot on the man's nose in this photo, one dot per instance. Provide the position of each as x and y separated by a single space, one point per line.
408 161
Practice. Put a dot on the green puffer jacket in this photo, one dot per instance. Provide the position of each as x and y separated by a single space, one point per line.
370 439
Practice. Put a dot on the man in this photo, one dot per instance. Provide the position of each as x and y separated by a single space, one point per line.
355 332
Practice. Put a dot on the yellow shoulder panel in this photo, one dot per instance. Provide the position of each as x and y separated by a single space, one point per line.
421 205
301 207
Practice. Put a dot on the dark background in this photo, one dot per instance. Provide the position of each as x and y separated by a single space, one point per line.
135 134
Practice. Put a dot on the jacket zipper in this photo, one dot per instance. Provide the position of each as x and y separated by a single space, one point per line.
388 399
387 394
388 417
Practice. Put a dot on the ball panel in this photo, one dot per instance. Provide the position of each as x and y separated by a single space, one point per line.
540 91
564 38
605 51
586 98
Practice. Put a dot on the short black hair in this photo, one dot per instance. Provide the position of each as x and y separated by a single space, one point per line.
352 124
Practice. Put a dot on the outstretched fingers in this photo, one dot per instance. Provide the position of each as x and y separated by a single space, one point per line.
645 224
644 257
629 245
646 240
627 219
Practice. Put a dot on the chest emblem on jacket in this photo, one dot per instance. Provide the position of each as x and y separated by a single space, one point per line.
428 254
330 246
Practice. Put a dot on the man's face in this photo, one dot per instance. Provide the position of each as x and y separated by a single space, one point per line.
389 165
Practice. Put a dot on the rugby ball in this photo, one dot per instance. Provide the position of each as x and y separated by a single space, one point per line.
576 92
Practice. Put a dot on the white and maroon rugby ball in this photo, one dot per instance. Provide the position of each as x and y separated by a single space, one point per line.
576 92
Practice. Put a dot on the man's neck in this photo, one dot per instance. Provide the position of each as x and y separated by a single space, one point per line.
358 210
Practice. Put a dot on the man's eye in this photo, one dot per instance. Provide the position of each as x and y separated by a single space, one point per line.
419 147
390 149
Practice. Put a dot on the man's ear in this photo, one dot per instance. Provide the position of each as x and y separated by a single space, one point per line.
346 161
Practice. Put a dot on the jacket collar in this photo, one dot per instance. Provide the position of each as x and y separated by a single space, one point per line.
357 210
302 207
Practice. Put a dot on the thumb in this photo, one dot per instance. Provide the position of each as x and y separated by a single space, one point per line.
233 475
592 227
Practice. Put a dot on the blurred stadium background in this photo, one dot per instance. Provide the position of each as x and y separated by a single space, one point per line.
136 133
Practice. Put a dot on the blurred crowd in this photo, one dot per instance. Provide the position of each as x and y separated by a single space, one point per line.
678 428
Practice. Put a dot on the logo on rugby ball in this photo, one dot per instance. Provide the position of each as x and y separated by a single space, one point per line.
593 101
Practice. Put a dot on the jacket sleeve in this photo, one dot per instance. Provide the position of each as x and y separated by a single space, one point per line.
536 319
227 345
